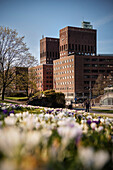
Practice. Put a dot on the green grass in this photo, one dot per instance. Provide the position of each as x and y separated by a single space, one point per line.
16 98
103 111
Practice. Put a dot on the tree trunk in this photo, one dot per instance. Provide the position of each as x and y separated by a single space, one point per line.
3 93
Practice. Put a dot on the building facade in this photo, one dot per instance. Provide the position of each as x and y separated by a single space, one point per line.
75 75
77 40
70 64
43 77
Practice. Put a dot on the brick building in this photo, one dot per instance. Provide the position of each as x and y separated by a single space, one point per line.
49 50
76 74
43 77
71 64
77 40
79 66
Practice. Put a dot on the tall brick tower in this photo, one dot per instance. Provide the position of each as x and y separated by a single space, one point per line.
49 50
80 41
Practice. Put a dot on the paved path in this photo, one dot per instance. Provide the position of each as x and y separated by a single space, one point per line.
97 112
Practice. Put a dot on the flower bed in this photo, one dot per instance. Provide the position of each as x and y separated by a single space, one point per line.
46 138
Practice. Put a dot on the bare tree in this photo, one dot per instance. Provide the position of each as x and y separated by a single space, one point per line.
102 82
13 53
32 81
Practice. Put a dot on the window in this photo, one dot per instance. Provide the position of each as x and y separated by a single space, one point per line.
94 71
86 71
64 47
79 47
95 59
86 59
82 47
94 65
76 47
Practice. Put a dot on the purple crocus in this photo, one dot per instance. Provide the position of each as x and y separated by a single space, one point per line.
5 111
89 121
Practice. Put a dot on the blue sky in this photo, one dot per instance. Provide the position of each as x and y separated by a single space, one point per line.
34 18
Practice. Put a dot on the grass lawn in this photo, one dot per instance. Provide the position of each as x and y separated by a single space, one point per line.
103 111
16 98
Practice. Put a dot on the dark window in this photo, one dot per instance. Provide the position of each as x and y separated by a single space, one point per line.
86 76
94 65
94 76
102 59
86 59
82 47
85 48
47 54
56 54
69 46
72 46
76 47
95 59
86 65
79 47
101 71
94 71
62 47
86 71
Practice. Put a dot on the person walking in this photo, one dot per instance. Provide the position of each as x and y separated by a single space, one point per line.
87 106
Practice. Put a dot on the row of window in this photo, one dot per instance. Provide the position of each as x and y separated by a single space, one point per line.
71 88
66 77
88 76
96 71
49 81
100 59
63 83
98 65
88 82
40 68
64 61
63 67
38 73
77 47
64 72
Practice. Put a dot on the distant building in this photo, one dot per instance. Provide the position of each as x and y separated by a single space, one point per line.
107 98
43 77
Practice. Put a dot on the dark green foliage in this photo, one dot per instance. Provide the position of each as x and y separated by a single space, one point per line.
50 99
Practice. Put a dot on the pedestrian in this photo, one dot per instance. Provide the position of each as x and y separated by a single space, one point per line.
87 106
